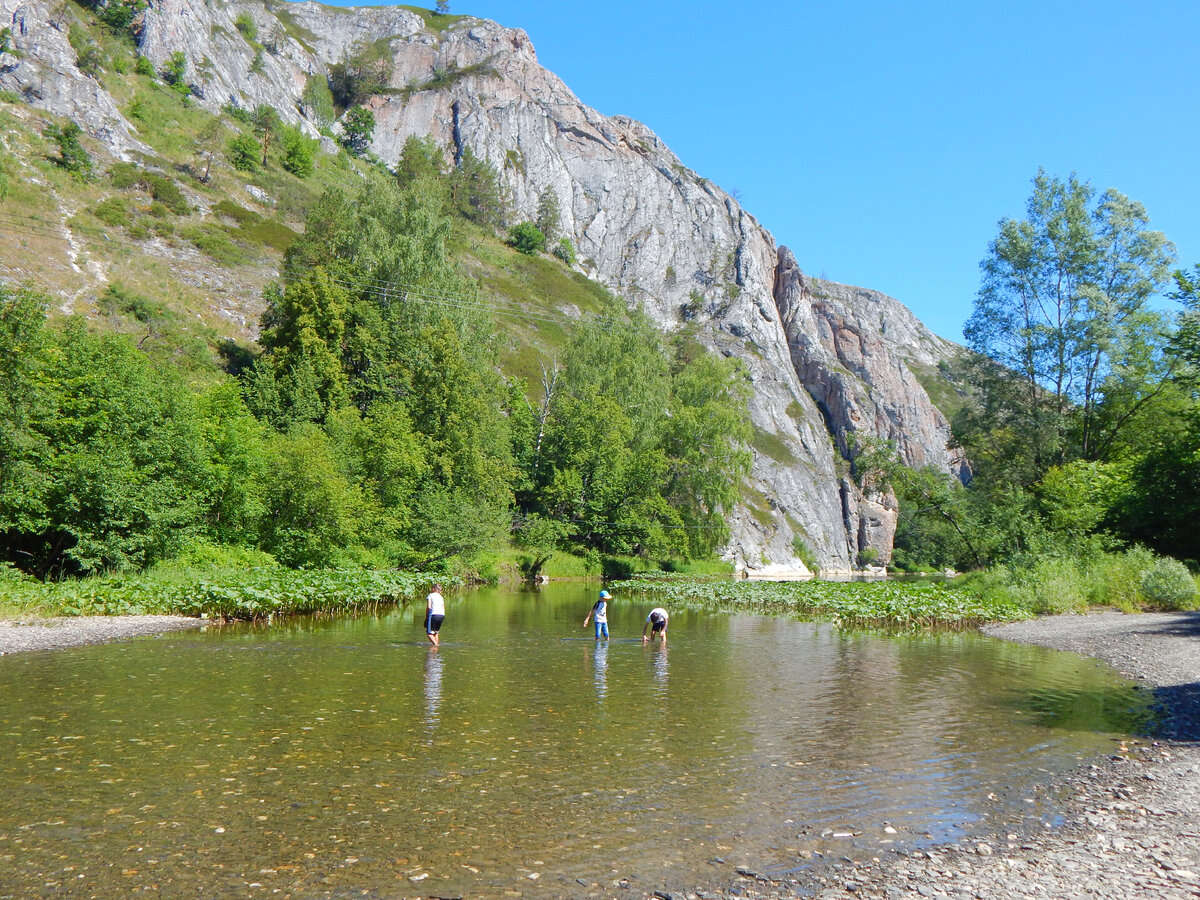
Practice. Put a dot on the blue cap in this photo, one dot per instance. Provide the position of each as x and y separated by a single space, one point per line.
605 595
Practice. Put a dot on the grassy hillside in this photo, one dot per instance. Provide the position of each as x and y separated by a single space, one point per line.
176 245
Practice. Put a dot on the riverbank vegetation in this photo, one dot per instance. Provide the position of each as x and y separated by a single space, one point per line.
216 583
1080 417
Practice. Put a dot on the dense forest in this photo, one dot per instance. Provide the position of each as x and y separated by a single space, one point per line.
374 428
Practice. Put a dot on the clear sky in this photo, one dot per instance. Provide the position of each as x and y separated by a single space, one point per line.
882 141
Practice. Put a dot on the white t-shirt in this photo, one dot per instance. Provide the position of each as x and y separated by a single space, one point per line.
657 612
435 604
601 611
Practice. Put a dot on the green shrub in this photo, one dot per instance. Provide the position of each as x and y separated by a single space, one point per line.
245 24
217 244
238 113
1116 579
73 157
565 251
527 238
167 192
804 553
144 67
244 153
1168 584
113 211
124 175
299 151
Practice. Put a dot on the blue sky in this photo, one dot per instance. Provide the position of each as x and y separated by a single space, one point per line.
883 141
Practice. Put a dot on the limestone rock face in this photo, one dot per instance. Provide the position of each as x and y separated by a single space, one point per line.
41 68
827 361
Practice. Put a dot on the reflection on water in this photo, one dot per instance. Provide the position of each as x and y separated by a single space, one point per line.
600 668
333 757
433 687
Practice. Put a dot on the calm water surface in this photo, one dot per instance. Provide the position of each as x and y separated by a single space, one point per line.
340 758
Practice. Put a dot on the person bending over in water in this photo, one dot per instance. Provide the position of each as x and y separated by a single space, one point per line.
600 611
435 613
656 622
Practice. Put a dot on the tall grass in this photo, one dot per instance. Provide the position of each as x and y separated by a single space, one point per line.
1132 580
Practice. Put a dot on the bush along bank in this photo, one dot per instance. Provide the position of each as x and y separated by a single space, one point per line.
888 604
254 593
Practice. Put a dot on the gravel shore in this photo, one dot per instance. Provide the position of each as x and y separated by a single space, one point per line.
55 634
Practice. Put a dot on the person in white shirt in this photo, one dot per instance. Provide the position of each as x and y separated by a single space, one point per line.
656 622
435 613
600 611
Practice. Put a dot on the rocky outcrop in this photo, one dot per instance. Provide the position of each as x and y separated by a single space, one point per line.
41 67
828 362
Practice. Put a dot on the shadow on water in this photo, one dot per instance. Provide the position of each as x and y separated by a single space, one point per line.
1116 709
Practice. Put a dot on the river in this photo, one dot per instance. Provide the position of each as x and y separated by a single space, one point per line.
339 757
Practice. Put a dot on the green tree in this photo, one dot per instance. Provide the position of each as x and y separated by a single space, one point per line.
366 71
103 466
705 439
118 15
299 151
267 125
1062 308
243 150
549 217
303 332
410 340
358 129
313 509
317 101
174 73
476 192
421 159
643 448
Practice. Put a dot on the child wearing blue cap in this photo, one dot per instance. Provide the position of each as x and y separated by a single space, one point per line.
600 611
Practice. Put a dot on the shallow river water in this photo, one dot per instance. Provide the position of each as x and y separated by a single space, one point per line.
344 758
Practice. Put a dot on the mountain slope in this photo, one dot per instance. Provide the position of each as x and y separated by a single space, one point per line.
828 361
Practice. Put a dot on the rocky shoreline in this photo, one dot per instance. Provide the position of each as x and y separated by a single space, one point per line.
58 633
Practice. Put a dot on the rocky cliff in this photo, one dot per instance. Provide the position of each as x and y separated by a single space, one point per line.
828 361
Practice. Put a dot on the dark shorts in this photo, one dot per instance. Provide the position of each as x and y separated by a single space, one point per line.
657 624
433 624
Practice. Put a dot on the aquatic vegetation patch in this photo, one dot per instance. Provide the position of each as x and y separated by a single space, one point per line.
255 593
885 604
